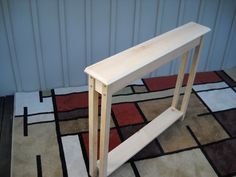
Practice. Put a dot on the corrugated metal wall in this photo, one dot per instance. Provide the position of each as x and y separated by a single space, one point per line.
48 43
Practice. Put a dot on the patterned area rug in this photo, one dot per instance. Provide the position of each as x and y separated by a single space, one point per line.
50 130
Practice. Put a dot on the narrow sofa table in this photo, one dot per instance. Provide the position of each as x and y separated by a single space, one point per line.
114 73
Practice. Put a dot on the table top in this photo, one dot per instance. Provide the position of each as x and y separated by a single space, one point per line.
124 63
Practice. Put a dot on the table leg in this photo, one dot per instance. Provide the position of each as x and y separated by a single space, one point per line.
104 131
180 78
93 127
191 78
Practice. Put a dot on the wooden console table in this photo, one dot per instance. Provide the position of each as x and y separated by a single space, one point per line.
112 74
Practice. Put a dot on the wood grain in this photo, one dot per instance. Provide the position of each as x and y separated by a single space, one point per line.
148 56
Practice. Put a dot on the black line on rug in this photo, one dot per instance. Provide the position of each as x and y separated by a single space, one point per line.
73 118
140 101
215 112
72 93
166 89
212 89
168 153
47 96
39 166
159 145
116 124
132 88
40 96
74 109
136 84
42 122
150 99
226 81
82 132
220 141
71 134
204 114
228 76
61 151
212 113
133 124
225 110
34 114
203 151
233 81
146 121
25 121
140 112
145 84
128 94
135 170
86 160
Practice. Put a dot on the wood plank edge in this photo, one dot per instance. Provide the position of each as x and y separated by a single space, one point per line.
117 149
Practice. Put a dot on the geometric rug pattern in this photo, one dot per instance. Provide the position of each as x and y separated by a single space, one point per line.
50 130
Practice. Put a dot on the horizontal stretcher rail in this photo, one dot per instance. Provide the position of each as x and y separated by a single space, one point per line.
140 139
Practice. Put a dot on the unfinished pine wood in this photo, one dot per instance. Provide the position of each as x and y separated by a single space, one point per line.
180 78
131 64
93 127
117 71
104 130
143 137
191 78
98 86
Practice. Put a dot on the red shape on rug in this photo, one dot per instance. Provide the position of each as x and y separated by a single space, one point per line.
114 140
127 113
205 77
72 101
160 83
167 82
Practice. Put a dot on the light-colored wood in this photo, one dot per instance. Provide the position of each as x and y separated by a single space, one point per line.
191 78
143 137
98 86
114 73
104 130
142 71
180 78
93 127
125 67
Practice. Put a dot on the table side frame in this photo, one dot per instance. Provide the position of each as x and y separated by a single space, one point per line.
96 87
